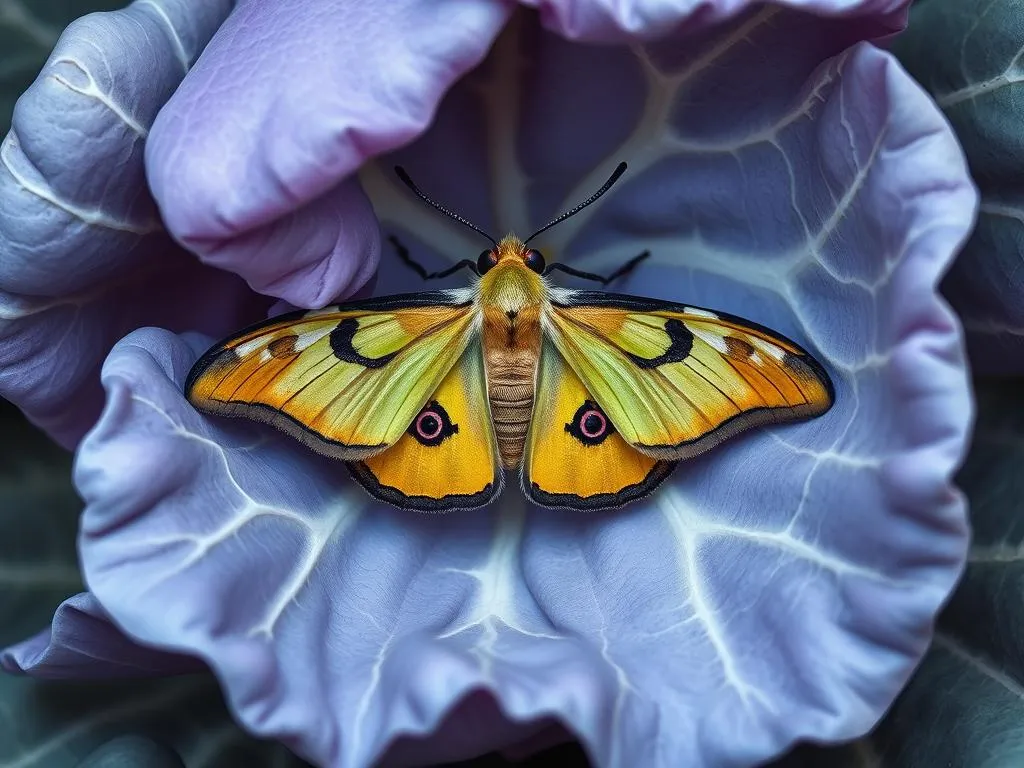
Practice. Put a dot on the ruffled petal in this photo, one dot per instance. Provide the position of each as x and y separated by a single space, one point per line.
85 257
251 146
781 587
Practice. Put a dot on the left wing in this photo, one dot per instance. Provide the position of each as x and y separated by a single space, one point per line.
448 457
677 380
345 380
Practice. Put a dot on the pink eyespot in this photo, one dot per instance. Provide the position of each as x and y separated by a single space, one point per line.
429 425
590 425
432 426
593 424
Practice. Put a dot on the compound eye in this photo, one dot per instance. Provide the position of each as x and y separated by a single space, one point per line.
590 425
432 426
534 260
485 261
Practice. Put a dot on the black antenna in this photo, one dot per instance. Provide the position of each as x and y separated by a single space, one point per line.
450 214
619 170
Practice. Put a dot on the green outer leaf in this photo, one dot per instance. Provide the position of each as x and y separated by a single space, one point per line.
57 725
965 706
858 754
987 611
38 525
127 751
969 54
960 711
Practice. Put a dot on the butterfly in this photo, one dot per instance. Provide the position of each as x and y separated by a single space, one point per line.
430 398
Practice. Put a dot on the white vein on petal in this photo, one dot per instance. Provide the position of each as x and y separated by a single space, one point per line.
776 275
494 603
93 91
646 144
830 454
819 459
176 43
342 514
983 88
976 20
45 192
15 13
979 663
767 135
674 503
624 687
363 705
685 525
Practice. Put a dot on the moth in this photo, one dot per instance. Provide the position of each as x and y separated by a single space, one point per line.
430 398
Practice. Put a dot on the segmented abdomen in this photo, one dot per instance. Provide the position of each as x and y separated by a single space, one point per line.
510 390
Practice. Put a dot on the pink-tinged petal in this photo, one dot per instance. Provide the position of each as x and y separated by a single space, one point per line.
284 106
83 256
615 21
780 588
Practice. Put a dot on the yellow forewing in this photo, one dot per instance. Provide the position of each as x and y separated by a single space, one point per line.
570 464
456 469
348 380
678 380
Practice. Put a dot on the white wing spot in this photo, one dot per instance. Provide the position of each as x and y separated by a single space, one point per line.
247 348
713 340
309 338
696 312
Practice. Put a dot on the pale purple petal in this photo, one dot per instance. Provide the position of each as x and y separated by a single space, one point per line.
83 256
283 107
82 642
781 587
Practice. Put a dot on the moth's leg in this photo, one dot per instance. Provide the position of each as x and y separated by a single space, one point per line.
419 269
403 254
625 269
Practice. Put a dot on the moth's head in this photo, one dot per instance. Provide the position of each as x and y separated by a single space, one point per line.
510 273
510 251
511 264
